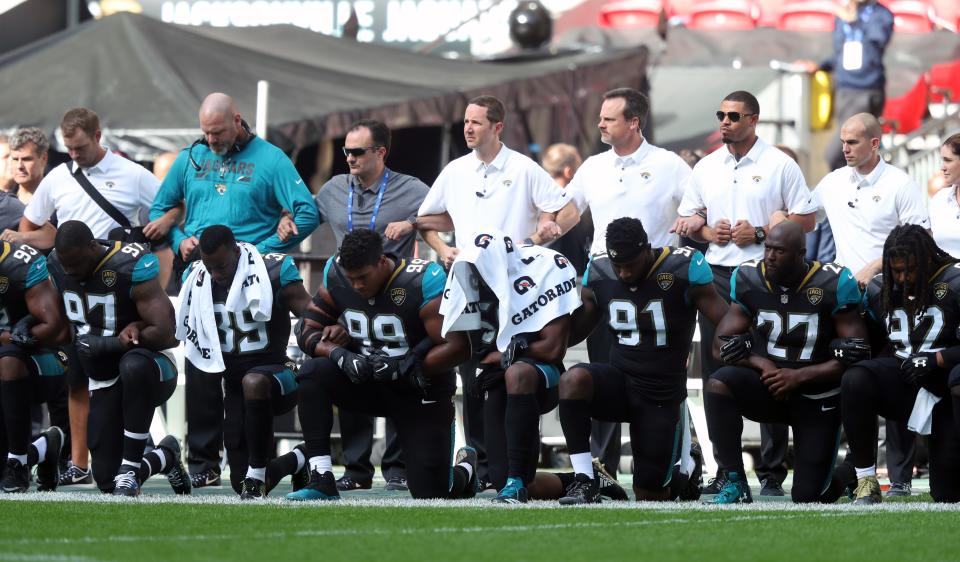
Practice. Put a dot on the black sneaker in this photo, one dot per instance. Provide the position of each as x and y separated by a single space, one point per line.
583 490
469 455
899 489
177 474
396 484
348 483
608 485
301 478
206 478
48 469
253 489
322 487
715 484
75 475
125 483
770 487
694 487
16 477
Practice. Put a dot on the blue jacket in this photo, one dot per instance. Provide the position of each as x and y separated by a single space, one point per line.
245 191
875 35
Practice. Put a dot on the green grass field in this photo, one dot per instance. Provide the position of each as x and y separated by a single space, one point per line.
85 526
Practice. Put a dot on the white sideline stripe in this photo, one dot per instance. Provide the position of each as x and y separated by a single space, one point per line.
412 531
43 558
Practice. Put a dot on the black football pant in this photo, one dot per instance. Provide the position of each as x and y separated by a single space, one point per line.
204 419
356 434
17 398
424 427
876 388
605 436
816 430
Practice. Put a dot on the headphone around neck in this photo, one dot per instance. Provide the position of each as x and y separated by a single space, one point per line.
237 146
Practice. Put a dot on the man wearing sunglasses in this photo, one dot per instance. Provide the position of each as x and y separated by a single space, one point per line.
746 187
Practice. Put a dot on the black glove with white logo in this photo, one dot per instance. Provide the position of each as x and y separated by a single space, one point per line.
91 347
850 350
490 377
518 344
735 348
916 367
20 333
354 365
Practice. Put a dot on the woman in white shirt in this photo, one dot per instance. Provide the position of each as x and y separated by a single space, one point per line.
944 206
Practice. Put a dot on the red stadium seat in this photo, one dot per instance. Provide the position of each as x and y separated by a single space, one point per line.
911 16
945 82
808 15
631 14
905 114
724 14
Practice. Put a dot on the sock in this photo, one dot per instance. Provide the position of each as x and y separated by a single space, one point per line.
283 466
566 478
301 460
582 463
133 445
21 458
316 417
458 484
321 464
865 472
522 421
15 398
258 473
154 462
575 421
467 468
37 451
725 426
258 424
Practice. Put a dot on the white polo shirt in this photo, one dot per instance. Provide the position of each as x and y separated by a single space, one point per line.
507 195
764 181
863 210
127 185
945 220
646 185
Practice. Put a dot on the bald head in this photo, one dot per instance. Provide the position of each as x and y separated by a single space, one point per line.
220 122
784 254
860 138
788 235
561 162
865 124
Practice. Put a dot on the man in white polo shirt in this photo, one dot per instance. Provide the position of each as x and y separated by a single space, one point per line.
864 202
746 187
492 187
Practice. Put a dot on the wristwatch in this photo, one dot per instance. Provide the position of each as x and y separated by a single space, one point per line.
759 235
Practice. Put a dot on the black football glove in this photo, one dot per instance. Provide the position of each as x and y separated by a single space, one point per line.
850 350
354 365
20 333
916 367
735 348
518 344
90 346
490 377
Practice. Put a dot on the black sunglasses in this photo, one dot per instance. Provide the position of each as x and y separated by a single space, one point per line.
733 116
358 152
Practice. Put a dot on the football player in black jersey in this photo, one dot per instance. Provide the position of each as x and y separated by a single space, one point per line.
916 299
778 335
124 321
394 363
259 381
33 319
650 298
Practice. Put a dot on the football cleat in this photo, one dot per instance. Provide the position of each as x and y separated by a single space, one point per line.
75 475
867 492
126 484
396 484
252 489
206 478
583 490
692 491
322 487
16 477
735 490
769 487
512 493
48 469
715 484
469 455
899 489
301 478
608 485
348 483
176 473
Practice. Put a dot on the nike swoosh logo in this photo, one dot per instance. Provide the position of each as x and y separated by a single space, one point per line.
243 178
39 266
298 182
700 261
427 402
148 263
825 409
356 365
382 367
436 272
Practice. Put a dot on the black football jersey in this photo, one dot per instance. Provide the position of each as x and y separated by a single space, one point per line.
21 268
101 303
652 322
794 327
245 342
934 330
389 324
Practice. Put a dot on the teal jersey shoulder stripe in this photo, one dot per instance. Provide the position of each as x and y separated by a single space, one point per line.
38 272
848 291
433 282
147 268
289 272
586 272
699 272
326 270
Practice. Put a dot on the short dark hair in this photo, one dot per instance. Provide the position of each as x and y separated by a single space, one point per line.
627 237
80 118
215 237
378 131
495 110
747 99
72 235
635 103
953 141
360 248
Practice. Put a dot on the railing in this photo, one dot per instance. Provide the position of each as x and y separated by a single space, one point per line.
919 152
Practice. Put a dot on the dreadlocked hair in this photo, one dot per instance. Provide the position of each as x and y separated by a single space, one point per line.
905 242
